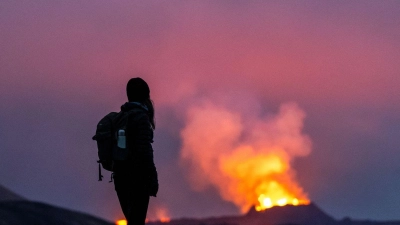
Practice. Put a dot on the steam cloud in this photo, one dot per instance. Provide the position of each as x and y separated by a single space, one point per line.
244 156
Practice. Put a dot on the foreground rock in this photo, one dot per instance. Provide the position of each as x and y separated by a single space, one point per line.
286 215
35 213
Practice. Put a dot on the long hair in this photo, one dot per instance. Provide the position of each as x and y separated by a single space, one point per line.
150 105
138 90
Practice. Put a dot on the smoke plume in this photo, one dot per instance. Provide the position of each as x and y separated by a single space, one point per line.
246 158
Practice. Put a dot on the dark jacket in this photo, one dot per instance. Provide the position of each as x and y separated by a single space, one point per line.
140 165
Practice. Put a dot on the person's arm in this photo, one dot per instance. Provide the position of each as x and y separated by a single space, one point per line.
142 144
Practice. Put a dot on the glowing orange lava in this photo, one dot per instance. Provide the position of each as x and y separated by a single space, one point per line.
266 202
262 180
121 222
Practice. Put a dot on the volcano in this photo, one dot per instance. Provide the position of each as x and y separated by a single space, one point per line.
289 214
279 215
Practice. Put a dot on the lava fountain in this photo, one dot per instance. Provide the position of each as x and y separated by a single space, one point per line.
245 157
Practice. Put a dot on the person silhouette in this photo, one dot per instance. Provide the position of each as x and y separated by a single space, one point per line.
135 179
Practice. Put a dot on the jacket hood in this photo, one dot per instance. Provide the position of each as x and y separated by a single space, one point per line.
131 105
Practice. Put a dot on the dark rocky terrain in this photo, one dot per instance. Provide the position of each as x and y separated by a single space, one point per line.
27 212
286 215
16 210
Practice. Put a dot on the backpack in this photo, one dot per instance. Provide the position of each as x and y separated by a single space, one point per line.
111 139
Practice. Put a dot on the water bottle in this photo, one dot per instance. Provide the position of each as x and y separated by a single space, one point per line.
121 139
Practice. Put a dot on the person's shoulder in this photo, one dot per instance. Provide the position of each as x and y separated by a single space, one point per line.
136 111
138 114
133 107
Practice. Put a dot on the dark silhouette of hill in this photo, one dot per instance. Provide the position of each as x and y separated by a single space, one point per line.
7 195
17 210
35 213
285 215
303 214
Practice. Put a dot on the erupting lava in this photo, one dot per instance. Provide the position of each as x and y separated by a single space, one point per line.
248 161
121 222
266 202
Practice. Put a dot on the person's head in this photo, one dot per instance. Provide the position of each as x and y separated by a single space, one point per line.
137 90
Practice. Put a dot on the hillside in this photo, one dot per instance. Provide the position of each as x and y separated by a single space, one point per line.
35 213
17 210
286 215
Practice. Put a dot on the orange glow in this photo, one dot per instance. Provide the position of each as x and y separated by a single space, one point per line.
262 180
165 220
162 215
248 162
159 213
121 222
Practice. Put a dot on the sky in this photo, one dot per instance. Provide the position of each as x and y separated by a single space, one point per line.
65 64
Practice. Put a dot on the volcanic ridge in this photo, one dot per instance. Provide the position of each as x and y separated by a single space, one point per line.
17 210
279 215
